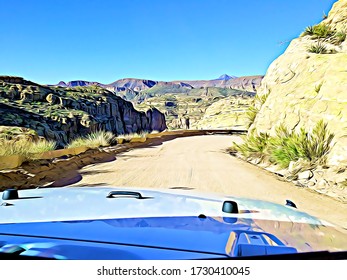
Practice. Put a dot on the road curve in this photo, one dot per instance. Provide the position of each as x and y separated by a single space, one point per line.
202 163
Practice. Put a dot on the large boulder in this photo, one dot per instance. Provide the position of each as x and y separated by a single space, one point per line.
156 119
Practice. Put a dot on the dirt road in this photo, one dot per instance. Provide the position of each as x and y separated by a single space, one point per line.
201 162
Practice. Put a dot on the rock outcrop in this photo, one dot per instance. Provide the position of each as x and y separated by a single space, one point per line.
247 83
228 113
307 84
62 114
156 119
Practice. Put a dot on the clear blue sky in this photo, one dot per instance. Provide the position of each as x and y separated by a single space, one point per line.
105 40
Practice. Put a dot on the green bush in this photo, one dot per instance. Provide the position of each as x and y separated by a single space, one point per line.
308 31
42 146
319 31
322 31
93 140
319 48
255 107
128 137
286 146
317 144
251 113
339 37
254 145
25 148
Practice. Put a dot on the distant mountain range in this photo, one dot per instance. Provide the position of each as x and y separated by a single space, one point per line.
246 83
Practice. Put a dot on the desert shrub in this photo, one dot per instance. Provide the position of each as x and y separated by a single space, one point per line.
317 144
312 146
42 146
319 31
11 132
128 137
255 107
254 145
322 31
251 113
308 31
286 146
339 37
318 47
260 99
93 140
25 148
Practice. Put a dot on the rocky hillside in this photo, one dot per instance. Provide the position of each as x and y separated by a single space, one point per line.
248 83
227 113
63 113
309 82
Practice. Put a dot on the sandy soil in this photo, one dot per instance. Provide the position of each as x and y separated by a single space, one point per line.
202 163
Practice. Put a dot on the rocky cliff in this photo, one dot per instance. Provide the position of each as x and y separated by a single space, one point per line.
247 83
61 114
309 82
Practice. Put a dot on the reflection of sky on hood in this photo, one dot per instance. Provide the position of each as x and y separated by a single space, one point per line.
165 219
89 203
306 237
60 204
188 233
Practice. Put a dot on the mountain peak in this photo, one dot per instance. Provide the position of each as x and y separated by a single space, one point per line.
226 77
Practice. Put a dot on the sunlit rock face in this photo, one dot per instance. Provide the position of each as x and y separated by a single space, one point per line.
228 113
304 87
